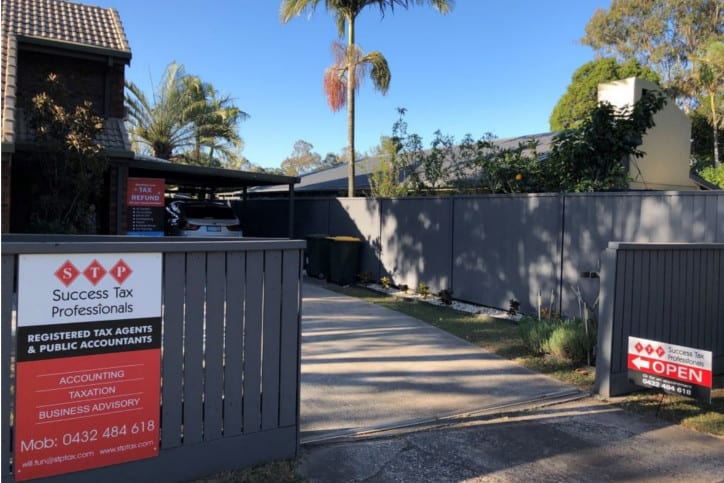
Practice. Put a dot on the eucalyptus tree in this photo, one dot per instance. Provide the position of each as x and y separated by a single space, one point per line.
185 120
341 81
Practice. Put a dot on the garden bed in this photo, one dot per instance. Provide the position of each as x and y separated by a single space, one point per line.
466 307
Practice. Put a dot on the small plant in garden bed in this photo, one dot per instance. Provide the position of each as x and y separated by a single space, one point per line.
386 282
423 290
445 296
514 307
403 287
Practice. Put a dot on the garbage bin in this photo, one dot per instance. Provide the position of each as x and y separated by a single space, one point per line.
316 256
344 253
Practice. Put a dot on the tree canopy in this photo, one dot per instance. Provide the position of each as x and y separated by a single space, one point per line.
186 120
581 96
664 35
303 159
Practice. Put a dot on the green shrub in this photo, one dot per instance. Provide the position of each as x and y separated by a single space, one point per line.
564 339
714 175
535 334
569 341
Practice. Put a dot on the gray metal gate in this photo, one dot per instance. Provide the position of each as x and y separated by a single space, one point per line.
230 353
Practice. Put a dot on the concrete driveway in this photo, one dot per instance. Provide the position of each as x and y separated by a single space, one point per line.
366 367
386 397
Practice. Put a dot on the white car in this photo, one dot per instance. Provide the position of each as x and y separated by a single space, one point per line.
195 218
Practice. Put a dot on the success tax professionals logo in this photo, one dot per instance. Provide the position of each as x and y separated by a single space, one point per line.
88 287
103 300
95 272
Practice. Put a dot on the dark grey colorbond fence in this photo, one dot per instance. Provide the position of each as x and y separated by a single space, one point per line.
489 249
665 292
231 351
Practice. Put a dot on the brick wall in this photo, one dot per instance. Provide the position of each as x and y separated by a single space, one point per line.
83 79
6 165
117 88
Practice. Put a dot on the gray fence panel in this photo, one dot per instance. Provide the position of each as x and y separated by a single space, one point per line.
214 346
311 217
290 340
234 343
263 217
173 357
507 247
270 343
592 220
252 341
359 217
8 350
193 347
691 294
417 240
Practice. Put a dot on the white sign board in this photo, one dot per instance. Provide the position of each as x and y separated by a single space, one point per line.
675 369
72 288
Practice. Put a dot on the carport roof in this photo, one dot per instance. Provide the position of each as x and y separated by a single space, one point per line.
200 177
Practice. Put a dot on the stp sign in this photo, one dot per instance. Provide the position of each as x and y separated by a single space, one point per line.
675 369
75 288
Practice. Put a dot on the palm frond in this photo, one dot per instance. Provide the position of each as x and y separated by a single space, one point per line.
380 71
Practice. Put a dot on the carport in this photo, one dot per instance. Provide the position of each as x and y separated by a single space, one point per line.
187 178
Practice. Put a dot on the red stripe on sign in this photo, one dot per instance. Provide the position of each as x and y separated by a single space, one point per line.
84 412
670 370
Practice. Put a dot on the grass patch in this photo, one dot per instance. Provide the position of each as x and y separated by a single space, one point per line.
502 337
278 472
692 414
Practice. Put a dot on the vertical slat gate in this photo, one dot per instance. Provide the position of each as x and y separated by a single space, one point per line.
252 341
289 348
229 355
234 342
193 347
172 360
270 336
214 347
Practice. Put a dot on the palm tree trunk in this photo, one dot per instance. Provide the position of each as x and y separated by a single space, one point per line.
351 67
715 132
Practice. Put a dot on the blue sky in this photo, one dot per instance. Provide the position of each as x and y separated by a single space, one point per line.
488 66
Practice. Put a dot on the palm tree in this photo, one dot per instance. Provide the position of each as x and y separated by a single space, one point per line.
345 75
215 125
186 120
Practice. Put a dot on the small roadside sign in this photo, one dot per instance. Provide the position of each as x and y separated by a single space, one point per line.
675 369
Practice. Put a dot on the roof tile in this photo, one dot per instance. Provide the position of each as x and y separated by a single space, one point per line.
65 22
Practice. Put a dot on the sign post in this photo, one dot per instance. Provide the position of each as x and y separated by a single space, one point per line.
88 361
675 369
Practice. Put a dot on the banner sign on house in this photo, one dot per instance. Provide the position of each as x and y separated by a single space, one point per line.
672 368
88 361
145 206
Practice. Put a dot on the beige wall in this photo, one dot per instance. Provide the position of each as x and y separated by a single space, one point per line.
667 145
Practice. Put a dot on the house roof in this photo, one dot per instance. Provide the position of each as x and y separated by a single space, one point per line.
66 25
67 22
334 179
